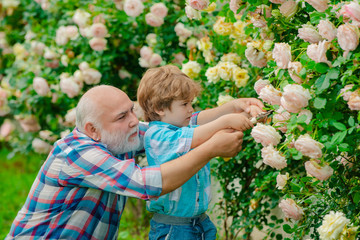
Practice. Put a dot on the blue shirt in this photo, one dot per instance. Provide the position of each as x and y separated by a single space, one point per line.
81 190
165 142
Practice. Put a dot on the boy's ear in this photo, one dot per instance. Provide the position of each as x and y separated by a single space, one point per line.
161 112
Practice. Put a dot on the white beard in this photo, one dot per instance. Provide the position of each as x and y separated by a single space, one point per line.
118 142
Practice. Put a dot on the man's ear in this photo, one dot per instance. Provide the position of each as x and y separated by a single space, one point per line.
92 131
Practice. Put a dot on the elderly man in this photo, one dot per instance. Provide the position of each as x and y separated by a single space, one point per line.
81 189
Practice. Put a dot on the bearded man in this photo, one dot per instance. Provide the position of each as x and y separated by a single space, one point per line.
81 189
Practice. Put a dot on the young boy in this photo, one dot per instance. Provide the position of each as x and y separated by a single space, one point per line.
166 94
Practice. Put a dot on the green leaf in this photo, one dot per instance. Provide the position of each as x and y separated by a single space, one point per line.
338 137
339 126
320 103
322 67
351 121
344 147
333 74
356 197
321 84
287 228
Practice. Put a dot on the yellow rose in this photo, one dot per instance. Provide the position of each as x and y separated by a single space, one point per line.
210 8
224 99
204 44
240 77
192 69
223 28
225 70
231 57
238 30
212 74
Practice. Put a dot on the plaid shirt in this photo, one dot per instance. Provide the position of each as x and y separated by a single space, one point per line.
165 142
81 190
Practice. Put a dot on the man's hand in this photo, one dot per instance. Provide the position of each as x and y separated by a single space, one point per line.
227 143
238 121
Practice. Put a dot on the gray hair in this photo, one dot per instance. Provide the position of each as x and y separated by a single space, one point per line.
87 111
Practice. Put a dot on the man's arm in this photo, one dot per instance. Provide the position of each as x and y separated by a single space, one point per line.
250 106
225 143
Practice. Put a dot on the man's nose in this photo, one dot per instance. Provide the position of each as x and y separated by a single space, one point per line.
134 121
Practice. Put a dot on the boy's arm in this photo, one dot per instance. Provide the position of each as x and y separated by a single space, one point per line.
251 106
236 121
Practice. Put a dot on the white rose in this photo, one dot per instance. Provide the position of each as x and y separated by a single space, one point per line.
265 134
41 86
332 225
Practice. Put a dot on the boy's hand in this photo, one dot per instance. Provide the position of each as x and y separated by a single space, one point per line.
248 105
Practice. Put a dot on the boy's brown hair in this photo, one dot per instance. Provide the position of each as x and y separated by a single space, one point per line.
160 86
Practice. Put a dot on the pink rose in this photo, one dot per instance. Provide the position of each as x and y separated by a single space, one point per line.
144 63
81 17
255 57
72 32
179 58
327 30
280 119
281 180
70 118
295 95
69 87
345 92
159 9
61 36
191 13
153 20
288 8
98 44
146 53
308 146
198 4
235 5
99 30
41 86
133 8
291 209
354 101
309 34
317 52
28 123
40 146
348 37
282 55
181 31
294 69
270 95
6 128
265 134
352 10
319 5
273 158
321 172
155 60
47 135
260 84
91 76
83 66
308 115
37 47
